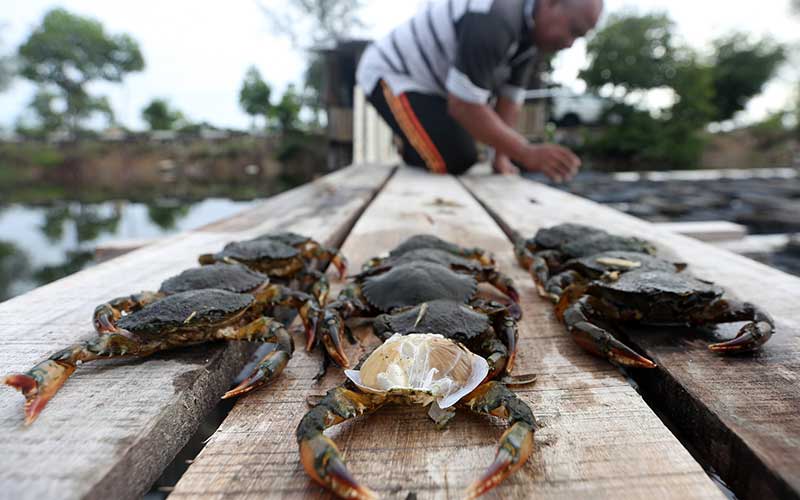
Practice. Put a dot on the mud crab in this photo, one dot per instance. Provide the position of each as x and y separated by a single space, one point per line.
545 253
606 266
418 368
656 297
402 286
182 319
228 277
283 256
431 242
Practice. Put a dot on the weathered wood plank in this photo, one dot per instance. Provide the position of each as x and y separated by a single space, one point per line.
115 425
598 437
739 413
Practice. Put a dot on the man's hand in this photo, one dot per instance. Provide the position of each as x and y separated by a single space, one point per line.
503 166
556 162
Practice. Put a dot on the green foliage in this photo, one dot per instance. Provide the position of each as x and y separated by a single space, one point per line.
740 69
159 116
67 52
632 52
254 97
287 111
14 265
639 53
7 72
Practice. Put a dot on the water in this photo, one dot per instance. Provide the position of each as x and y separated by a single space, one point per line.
39 244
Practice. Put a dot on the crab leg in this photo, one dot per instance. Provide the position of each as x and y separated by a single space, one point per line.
577 318
305 304
320 456
330 330
40 383
557 284
516 444
259 373
106 315
751 336
327 254
499 281
317 282
504 325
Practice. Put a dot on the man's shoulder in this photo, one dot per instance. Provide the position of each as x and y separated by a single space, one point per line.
511 12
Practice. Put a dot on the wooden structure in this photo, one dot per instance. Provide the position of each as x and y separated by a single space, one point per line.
115 425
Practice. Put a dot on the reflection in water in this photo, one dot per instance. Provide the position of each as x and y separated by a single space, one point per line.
48 243
75 261
14 265
166 213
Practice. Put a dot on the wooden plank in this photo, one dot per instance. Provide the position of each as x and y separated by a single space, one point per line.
598 438
709 231
115 425
739 413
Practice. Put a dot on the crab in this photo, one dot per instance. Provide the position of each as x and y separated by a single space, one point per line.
656 297
228 277
545 253
606 266
417 368
431 242
182 319
283 256
402 286
483 272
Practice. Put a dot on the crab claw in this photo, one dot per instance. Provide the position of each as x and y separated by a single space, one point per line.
266 370
332 326
322 462
750 337
340 261
310 314
603 344
516 446
39 385
104 318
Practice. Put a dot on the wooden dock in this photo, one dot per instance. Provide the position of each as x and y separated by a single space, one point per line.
663 433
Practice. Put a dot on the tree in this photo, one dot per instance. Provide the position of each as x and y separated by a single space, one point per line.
317 22
314 24
740 69
255 95
67 52
287 111
635 54
159 116
631 52
6 72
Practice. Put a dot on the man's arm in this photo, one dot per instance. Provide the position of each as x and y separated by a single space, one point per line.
508 110
487 126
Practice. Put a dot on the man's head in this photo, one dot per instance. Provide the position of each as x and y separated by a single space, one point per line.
558 23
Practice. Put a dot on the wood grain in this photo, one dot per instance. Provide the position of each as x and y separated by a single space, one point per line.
115 425
598 437
739 413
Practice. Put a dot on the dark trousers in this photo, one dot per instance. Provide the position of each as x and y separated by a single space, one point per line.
431 138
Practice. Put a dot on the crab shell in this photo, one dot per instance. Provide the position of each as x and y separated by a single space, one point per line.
423 368
416 282
285 237
193 309
229 277
253 250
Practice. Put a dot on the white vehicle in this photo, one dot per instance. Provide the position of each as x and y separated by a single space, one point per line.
569 109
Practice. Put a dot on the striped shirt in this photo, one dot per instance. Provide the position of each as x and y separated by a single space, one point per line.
471 48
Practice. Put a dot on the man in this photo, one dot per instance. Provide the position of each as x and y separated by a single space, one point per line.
433 79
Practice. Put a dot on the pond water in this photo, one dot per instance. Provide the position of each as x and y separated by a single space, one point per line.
40 244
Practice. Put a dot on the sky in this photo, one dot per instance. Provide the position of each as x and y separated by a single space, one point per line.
197 51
